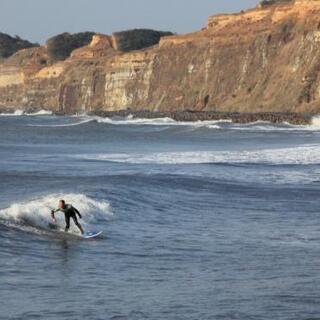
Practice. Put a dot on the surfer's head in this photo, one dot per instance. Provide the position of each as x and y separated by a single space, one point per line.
62 204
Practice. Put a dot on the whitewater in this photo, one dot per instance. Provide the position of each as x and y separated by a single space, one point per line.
200 220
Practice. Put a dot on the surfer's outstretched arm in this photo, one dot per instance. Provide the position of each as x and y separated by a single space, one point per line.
52 214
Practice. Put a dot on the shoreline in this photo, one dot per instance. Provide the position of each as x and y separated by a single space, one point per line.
191 116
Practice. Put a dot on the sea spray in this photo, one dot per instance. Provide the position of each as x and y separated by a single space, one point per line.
316 122
19 112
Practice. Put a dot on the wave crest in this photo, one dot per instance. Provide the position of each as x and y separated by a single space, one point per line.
282 156
19 112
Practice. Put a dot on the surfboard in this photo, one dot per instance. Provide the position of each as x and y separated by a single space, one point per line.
91 234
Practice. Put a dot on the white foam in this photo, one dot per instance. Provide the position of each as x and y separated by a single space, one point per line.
316 122
19 112
40 113
35 213
227 124
72 124
130 120
297 155
14 114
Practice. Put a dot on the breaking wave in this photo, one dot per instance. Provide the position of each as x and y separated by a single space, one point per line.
69 124
285 156
23 113
34 215
226 124
13 114
223 124
40 113
158 122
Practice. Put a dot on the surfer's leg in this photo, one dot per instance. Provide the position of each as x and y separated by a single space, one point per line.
76 222
67 218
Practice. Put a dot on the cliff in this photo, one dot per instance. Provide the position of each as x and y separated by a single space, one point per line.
266 59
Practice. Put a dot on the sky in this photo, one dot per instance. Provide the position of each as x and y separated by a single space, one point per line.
37 20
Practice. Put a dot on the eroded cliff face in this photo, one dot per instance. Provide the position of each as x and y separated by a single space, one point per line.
263 60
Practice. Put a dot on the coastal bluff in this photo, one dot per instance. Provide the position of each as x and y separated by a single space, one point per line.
263 60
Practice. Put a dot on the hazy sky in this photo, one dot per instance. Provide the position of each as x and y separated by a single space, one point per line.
37 20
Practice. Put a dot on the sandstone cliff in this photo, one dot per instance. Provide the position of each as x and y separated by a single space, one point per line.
266 59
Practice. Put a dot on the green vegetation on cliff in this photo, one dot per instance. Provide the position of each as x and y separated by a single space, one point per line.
137 39
10 45
60 47
264 3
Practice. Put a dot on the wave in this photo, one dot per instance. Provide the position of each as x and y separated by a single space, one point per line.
18 112
137 122
315 122
13 114
265 126
284 156
34 215
40 113
223 124
226 124
72 124
158 121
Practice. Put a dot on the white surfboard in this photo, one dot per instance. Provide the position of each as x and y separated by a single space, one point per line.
91 234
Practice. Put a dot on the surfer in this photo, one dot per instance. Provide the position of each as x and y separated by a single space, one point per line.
69 212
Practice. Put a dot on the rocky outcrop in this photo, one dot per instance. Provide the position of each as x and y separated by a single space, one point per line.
261 61
100 46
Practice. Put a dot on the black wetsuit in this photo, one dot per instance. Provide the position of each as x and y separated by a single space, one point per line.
70 212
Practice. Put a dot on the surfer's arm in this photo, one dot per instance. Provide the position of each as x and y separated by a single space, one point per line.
77 212
52 214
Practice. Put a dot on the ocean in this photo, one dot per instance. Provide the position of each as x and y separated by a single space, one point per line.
200 220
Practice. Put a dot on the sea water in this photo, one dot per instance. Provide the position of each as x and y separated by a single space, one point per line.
202 220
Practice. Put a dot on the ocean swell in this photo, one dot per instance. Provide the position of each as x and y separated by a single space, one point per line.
283 156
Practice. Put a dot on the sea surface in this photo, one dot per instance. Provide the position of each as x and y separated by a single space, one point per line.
202 220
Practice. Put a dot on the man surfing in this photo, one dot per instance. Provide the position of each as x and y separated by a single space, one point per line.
69 212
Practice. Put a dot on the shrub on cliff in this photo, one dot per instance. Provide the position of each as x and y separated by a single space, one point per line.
137 39
60 47
265 3
10 45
